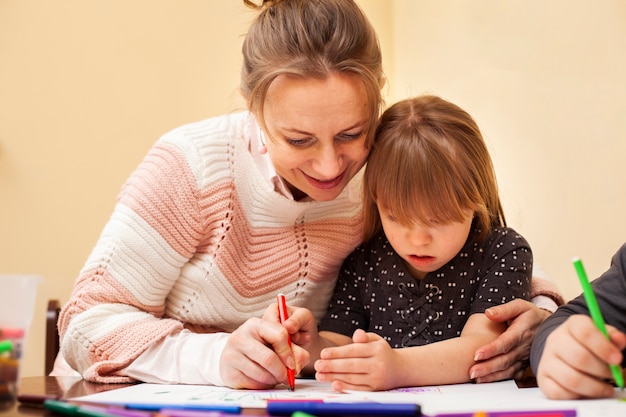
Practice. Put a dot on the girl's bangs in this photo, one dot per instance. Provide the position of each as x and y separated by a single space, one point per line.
415 195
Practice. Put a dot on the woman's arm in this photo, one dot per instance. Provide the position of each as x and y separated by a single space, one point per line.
117 308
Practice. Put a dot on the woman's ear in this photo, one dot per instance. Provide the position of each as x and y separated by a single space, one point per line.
262 139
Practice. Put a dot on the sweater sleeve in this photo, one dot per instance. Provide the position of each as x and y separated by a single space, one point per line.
542 287
610 290
117 308
185 358
548 300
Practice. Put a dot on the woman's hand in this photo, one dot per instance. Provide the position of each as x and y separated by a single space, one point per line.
575 360
507 356
257 354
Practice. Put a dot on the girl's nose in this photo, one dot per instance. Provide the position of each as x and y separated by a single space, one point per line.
419 235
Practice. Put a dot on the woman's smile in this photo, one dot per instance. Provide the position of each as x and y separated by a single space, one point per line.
325 184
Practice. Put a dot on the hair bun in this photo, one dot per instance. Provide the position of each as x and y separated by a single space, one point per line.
264 4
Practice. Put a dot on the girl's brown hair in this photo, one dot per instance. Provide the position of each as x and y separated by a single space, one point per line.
310 39
429 163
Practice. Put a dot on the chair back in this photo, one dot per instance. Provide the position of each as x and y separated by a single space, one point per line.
52 334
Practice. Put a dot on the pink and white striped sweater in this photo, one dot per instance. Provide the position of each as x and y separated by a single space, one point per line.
200 240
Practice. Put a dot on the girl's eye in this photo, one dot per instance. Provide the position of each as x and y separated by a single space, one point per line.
391 217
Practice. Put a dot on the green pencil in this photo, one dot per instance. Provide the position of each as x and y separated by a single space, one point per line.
596 315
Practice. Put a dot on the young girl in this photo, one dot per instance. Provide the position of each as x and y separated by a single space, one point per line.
437 254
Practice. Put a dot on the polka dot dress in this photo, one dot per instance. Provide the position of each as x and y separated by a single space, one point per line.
375 291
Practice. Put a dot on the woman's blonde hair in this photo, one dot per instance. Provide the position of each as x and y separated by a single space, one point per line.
310 39
429 164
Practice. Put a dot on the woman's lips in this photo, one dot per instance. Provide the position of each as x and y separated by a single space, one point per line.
325 184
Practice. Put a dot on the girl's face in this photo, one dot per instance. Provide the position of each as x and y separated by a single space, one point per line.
425 249
317 130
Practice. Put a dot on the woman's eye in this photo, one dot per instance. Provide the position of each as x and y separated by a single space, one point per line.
347 137
342 137
298 143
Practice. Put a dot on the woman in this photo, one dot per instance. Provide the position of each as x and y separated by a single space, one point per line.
225 213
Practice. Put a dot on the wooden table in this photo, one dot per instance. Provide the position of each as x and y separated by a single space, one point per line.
65 387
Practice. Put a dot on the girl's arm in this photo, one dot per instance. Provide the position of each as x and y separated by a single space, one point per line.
369 363
449 361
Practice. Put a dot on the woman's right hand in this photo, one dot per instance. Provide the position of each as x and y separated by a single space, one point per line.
257 354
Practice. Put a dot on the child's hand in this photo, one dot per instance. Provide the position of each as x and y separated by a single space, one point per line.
575 360
365 364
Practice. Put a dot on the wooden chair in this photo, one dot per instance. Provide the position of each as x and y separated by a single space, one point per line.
52 334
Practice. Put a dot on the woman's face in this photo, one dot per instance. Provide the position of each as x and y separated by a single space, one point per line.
317 130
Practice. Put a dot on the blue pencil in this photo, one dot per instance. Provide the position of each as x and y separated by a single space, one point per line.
287 408
224 408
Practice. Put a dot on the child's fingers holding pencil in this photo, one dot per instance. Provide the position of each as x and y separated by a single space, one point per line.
589 350
596 314
575 372
617 337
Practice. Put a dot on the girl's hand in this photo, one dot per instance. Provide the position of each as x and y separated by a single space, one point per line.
575 360
366 364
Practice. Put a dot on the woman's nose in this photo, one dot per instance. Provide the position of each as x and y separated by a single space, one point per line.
328 163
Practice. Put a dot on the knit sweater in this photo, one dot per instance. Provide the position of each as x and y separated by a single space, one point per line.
200 240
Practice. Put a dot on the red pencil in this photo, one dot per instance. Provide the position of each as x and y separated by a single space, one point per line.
283 315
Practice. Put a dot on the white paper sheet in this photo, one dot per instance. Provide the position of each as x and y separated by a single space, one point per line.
498 396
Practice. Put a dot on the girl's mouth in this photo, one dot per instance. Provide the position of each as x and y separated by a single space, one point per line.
421 260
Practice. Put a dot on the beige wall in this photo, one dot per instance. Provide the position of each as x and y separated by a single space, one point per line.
86 87
546 84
